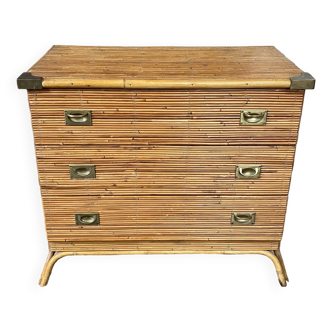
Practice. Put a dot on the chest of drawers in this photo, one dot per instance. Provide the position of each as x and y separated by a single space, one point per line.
165 149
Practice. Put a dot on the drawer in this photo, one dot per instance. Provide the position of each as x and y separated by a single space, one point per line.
166 117
166 170
145 218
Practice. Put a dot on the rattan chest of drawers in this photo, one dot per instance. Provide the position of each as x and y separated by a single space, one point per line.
165 149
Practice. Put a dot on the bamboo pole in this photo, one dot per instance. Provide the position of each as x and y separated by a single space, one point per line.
278 255
207 84
89 83
50 262
47 268
66 83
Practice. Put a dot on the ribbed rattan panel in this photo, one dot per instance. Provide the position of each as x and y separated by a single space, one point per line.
165 170
142 218
171 117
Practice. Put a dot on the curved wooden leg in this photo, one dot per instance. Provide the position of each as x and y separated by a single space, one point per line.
278 254
50 261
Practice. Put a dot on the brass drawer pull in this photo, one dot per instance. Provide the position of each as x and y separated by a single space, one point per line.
248 171
82 171
243 218
78 118
253 118
87 218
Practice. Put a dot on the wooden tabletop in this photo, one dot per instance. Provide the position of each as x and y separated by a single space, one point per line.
164 67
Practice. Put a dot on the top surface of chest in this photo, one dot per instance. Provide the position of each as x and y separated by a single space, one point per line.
164 67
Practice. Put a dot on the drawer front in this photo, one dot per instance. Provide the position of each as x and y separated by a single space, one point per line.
176 218
165 170
166 117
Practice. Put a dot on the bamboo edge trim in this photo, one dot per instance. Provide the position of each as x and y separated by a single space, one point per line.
164 84
53 257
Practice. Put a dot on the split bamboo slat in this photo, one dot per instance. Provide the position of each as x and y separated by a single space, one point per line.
162 246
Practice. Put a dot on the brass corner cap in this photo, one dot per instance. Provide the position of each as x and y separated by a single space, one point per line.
303 81
29 82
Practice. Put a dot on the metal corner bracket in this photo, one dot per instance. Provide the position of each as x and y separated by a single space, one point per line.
29 82
303 81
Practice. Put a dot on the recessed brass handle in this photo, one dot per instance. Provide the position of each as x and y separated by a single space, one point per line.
82 171
253 117
248 171
87 218
78 118
243 218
